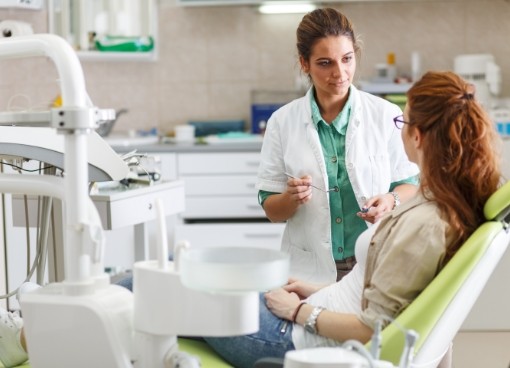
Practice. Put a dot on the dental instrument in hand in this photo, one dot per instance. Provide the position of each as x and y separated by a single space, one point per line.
365 209
335 189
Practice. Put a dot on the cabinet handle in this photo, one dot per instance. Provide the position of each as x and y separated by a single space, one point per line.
252 163
250 185
259 236
253 207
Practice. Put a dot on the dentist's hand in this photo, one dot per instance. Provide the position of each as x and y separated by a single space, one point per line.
300 190
377 206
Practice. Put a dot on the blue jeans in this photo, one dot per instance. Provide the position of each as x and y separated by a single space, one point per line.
126 282
273 339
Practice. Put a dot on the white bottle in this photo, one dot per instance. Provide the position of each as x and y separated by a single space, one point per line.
415 66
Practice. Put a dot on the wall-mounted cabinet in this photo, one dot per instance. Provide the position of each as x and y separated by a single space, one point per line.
259 2
107 29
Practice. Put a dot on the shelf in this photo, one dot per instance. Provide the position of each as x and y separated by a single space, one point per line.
81 23
116 56
384 88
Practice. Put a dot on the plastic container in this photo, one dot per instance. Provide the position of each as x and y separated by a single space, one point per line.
233 269
184 133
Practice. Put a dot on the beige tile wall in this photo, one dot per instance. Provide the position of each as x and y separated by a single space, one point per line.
211 58
481 350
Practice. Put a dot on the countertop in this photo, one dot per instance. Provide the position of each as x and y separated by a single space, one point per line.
154 145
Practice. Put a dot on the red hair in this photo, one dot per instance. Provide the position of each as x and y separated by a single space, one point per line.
461 166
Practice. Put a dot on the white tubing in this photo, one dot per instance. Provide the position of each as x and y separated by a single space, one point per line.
162 237
77 260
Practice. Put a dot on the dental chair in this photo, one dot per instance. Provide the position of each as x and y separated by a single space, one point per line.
439 311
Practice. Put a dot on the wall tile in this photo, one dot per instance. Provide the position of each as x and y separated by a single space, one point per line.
211 58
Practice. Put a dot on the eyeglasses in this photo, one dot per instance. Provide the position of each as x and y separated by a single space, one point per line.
399 121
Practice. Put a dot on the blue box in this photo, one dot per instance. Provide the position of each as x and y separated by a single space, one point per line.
260 114
503 128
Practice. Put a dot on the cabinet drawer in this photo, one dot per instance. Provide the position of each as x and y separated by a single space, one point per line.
218 163
220 185
168 166
119 209
260 235
223 207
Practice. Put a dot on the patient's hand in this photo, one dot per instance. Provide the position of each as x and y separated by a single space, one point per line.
301 288
282 303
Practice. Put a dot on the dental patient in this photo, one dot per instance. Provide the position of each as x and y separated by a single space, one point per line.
448 134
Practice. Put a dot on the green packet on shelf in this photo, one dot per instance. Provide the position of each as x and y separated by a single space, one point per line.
125 44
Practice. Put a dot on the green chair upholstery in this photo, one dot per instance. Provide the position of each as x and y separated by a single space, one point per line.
208 357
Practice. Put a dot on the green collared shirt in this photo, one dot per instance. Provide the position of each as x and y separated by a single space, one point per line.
345 224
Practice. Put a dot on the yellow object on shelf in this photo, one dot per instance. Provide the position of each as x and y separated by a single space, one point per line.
390 58
57 102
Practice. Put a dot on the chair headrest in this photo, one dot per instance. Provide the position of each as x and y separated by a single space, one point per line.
498 204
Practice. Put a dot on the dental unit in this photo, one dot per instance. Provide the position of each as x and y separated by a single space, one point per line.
85 321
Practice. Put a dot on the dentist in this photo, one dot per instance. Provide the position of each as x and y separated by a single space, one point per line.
337 139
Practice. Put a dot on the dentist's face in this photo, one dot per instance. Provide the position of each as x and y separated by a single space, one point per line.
331 66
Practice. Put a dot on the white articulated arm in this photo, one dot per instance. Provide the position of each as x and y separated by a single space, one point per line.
75 120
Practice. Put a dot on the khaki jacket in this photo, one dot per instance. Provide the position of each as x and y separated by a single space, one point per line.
404 255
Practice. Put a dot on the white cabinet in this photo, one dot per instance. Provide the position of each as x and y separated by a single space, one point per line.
221 207
220 185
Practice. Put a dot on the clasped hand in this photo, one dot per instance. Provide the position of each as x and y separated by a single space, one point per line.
283 301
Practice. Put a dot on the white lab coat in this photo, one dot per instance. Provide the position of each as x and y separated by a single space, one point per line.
374 158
